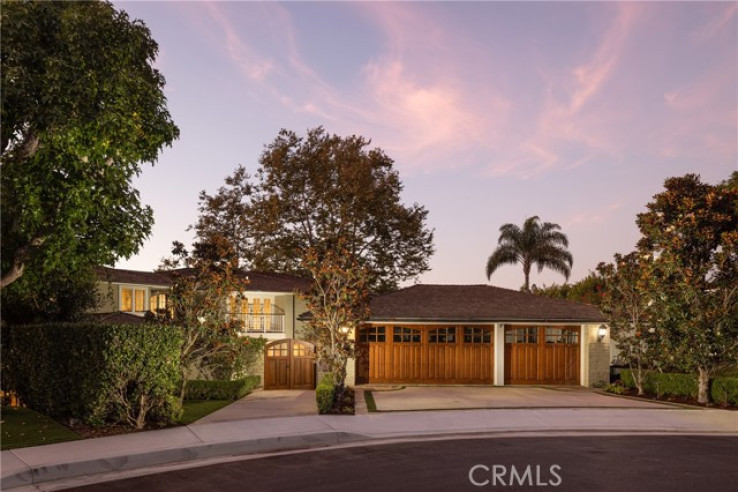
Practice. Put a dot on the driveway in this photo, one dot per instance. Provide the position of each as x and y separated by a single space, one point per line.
263 404
470 397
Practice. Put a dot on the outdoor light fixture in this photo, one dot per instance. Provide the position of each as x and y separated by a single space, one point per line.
345 329
601 333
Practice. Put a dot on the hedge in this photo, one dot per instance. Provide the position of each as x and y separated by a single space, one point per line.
723 389
94 372
325 394
218 389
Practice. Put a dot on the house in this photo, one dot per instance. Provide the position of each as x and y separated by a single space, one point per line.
424 334
480 334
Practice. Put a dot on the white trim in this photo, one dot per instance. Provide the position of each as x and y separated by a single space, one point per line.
498 378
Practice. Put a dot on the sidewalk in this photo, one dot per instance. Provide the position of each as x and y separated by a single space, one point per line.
190 444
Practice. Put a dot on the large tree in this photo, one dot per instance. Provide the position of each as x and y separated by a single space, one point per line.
540 244
628 303
82 108
690 232
338 302
314 193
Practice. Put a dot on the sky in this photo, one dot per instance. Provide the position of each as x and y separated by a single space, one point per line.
493 112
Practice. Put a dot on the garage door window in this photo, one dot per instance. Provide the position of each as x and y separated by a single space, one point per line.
372 334
562 335
402 334
522 335
477 335
442 335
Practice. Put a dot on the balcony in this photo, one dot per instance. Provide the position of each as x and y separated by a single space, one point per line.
260 323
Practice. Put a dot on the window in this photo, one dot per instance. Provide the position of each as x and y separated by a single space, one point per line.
372 334
443 335
140 300
157 301
473 334
126 300
402 334
522 335
562 335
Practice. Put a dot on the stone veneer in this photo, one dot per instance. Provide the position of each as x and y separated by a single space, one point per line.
599 364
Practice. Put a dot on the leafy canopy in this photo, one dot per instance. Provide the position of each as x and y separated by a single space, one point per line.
315 193
82 108
542 244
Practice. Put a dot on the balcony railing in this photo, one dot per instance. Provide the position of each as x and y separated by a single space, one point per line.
260 323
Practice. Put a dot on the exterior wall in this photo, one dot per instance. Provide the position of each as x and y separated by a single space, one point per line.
300 308
595 363
109 295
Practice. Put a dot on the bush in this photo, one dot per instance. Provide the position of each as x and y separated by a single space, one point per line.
218 389
664 383
325 394
93 372
724 390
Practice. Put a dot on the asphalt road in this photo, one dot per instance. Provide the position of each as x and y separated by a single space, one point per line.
591 463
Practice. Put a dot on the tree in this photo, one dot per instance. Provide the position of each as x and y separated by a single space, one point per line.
690 232
203 281
226 214
315 193
63 294
541 244
627 302
338 303
82 108
589 290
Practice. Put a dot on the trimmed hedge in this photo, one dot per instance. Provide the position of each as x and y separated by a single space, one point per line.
218 389
94 372
325 394
723 389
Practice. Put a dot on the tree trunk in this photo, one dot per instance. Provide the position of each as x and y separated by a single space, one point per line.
19 261
703 384
526 271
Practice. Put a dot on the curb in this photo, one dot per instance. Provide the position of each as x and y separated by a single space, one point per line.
70 469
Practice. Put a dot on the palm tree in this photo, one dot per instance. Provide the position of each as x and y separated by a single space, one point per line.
542 244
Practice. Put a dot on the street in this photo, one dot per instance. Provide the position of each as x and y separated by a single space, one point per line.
587 463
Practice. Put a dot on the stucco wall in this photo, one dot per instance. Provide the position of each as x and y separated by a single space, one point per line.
108 296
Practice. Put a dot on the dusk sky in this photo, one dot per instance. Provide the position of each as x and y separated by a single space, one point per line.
493 112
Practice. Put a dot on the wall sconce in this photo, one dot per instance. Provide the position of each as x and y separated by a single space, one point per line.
601 332
345 329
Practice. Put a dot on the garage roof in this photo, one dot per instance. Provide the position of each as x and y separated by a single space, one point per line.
458 303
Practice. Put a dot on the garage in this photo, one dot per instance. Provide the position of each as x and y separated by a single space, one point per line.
425 354
482 335
542 355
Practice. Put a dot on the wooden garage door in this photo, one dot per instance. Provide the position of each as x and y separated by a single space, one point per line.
542 355
426 354
289 364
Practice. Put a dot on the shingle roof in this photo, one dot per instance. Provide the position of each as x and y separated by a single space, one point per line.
476 303
259 281
122 276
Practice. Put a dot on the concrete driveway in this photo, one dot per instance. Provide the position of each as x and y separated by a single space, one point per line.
263 404
472 397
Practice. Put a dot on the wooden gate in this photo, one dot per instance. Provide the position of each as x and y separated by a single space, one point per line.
289 364
542 355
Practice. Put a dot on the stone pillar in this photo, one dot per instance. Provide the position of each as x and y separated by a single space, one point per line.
599 364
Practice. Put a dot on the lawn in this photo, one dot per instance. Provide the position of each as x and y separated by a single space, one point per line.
22 427
197 409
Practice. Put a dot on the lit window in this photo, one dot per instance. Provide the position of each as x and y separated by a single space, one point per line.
140 297
126 300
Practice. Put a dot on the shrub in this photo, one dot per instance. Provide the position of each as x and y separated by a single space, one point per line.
218 389
724 390
93 372
616 388
325 394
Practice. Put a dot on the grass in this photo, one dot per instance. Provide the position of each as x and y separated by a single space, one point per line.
371 405
197 409
22 427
